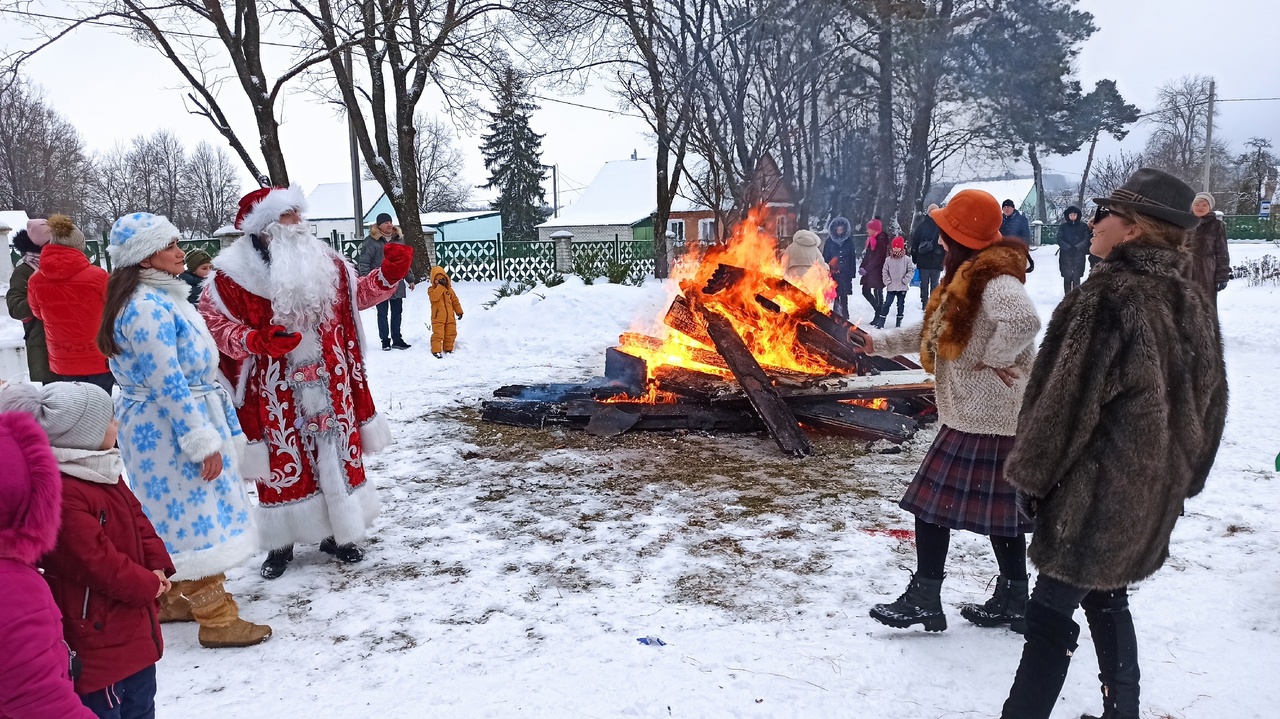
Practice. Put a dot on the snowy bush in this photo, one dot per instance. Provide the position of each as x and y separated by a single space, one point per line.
552 279
1262 271
511 289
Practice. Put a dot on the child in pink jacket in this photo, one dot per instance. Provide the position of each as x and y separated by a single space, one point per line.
35 665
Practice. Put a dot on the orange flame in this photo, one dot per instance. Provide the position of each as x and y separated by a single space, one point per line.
766 305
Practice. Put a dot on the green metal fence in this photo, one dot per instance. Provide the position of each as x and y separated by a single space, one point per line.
1251 227
530 261
470 260
96 251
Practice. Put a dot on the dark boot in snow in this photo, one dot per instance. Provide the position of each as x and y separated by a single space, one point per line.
1046 656
1007 605
276 562
349 552
878 322
920 604
899 321
1116 645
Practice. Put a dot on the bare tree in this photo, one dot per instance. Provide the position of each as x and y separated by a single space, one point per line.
113 190
440 182
213 46
1180 120
43 165
1113 171
212 189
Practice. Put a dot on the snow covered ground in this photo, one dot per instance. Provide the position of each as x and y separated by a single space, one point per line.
512 571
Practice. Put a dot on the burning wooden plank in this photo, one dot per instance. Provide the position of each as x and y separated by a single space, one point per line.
907 383
700 386
778 419
851 420
710 358
560 391
682 318
626 371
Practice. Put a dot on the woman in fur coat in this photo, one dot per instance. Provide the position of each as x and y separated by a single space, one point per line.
977 339
178 428
1120 425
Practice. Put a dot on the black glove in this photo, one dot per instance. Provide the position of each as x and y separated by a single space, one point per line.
1222 285
1028 505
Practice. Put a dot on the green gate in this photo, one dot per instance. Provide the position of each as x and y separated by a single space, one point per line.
530 261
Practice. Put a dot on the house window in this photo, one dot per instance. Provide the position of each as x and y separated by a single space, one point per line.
676 227
707 231
782 225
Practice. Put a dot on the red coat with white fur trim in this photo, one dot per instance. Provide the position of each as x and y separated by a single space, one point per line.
309 416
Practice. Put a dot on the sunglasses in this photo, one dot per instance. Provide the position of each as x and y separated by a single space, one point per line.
1103 213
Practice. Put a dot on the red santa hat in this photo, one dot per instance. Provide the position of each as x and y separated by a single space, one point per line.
265 205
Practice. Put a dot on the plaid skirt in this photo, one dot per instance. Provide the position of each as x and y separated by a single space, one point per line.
961 485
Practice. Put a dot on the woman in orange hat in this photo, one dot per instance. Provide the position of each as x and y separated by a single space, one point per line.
977 339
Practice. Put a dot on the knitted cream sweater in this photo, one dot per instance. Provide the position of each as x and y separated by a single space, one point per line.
1004 332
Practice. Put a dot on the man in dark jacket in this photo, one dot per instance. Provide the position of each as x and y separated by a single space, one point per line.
1073 245
370 259
1015 223
841 256
927 254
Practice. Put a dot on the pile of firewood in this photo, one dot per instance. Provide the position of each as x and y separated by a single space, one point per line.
720 385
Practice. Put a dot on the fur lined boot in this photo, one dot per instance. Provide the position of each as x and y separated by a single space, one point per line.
174 606
220 623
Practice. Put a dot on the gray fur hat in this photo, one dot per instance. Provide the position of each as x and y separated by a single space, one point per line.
75 415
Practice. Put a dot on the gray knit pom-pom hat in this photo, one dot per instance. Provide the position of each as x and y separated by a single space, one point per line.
75 415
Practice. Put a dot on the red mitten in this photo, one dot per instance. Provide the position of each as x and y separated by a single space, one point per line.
396 260
274 341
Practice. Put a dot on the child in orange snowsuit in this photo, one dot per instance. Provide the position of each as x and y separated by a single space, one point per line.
444 305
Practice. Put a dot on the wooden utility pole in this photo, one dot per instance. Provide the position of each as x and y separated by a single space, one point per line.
357 201
1208 138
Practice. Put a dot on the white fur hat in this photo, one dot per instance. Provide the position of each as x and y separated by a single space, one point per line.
136 237
264 206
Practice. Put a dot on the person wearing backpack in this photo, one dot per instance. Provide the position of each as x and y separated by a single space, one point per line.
927 255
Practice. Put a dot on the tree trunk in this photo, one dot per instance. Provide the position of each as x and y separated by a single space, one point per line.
1039 175
886 202
1088 165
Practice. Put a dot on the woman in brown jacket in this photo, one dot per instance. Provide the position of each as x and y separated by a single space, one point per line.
1210 265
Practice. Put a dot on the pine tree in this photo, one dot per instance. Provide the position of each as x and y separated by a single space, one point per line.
513 156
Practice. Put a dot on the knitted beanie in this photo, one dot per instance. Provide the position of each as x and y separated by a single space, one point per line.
898 243
136 237
75 415
62 231
38 231
195 258
1207 197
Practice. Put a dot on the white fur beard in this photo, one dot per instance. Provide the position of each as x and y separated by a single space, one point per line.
304 277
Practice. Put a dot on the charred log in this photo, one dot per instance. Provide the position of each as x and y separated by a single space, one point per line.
524 414
854 421
777 417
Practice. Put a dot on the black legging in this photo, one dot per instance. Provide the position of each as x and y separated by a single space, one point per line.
875 297
931 552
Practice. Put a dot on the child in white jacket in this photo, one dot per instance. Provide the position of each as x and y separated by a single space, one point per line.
897 273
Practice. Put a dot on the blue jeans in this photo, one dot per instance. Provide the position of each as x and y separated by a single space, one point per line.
392 334
130 698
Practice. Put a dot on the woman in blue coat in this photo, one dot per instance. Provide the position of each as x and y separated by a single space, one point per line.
178 428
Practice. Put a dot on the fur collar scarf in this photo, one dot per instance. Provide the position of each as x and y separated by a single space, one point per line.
954 308
1145 257
178 291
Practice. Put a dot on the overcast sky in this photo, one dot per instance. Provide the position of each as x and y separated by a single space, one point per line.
112 89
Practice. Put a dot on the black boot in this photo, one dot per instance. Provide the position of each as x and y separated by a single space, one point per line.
920 604
276 562
899 321
1116 645
1007 605
1046 655
349 552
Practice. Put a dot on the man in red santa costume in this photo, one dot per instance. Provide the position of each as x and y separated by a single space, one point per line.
283 308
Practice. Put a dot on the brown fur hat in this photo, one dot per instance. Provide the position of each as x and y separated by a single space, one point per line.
64 232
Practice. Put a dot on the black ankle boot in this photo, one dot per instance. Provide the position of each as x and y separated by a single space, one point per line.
1007 605
920 604
276 562
1046 656
899 321
349 552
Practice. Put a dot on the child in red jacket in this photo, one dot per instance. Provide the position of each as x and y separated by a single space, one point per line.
108 567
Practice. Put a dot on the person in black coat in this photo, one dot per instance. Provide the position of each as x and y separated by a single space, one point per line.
841 255
1015 223
1073 245
927 254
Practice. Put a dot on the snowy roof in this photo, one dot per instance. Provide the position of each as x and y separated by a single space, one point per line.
332 200
623 192
435 219
1016 190
15 219
227 231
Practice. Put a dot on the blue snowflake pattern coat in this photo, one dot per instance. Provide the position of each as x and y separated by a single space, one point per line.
174 413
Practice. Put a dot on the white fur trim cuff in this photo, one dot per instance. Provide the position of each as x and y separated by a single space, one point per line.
268 210
255 461
216 559
201 444
375 435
